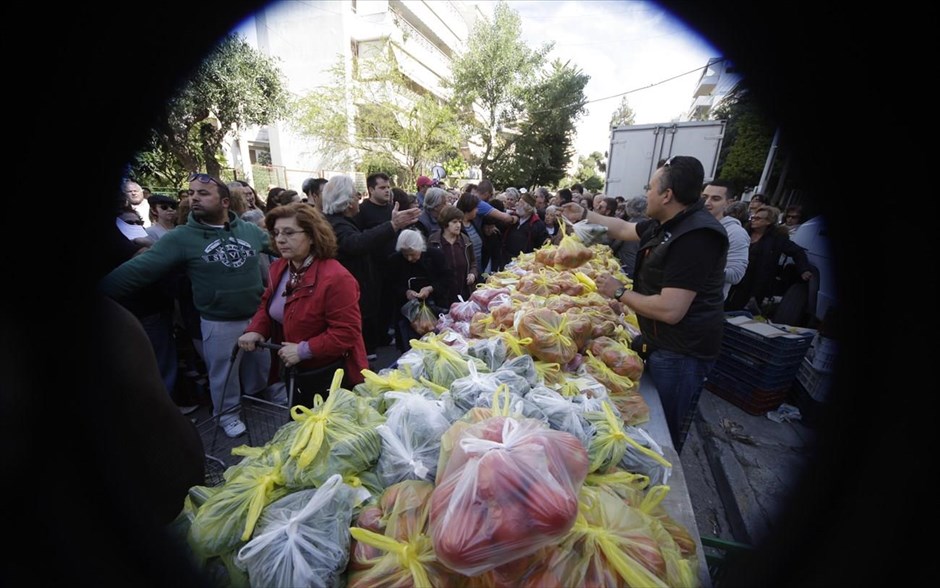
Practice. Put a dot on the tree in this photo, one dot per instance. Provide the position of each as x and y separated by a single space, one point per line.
378 118
494 74
589 171
748 135
623 115
541 152
233 88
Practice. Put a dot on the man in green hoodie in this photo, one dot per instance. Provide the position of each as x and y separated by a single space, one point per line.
220 254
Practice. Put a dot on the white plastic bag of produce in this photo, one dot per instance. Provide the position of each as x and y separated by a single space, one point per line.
302 539
411 439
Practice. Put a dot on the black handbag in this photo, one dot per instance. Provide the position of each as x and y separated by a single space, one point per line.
308 383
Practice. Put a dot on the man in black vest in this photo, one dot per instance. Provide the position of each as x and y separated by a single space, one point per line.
677 294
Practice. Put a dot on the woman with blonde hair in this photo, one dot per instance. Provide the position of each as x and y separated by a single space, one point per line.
310 306
769 241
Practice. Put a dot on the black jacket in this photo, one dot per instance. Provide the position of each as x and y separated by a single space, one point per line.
430 270
355 253
458 284
699 332
763 268
523 238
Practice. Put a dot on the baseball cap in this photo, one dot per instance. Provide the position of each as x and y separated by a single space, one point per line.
424 181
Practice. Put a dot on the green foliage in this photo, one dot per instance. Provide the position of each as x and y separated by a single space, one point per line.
541 152
156 166
374 162
748 135
455 166
495 73
623 115
233 88
378 118
589 173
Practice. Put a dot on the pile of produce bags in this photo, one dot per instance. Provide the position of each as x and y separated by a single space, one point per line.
503 449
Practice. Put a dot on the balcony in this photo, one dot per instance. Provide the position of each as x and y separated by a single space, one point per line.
701 107
420 58
440 21
706 85
425 72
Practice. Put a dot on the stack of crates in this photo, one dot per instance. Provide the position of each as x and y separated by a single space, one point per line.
758 362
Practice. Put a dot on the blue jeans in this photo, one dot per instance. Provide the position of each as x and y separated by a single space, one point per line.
679 380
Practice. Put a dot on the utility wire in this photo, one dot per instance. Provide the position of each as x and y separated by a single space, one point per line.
629 91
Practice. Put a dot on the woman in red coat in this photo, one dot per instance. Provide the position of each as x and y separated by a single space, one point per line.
310 306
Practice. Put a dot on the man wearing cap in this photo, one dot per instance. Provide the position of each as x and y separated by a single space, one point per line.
678 290
423 184
162 215
528 233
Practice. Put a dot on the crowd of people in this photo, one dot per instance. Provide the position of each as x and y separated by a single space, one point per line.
324 274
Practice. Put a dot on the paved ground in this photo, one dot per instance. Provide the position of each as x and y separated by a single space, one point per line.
748 466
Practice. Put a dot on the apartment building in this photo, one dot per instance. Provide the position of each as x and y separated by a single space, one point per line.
308 38
718 79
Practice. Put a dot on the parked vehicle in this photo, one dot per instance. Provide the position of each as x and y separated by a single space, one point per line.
635 151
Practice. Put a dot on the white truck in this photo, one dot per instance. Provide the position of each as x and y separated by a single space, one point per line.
635 151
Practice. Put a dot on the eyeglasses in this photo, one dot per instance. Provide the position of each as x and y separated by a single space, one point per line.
288 233
167 206
204 178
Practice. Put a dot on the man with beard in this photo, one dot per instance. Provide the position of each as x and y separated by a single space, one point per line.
220 254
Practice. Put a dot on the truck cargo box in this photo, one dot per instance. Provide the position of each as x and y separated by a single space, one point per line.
635 150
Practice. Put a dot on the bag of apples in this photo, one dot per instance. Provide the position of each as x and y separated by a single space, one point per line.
509 488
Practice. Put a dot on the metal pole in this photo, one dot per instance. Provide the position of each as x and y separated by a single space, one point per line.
769 164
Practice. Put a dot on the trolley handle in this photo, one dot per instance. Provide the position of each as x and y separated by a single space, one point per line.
263 344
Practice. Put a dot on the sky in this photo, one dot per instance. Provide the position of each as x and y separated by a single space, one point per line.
624 45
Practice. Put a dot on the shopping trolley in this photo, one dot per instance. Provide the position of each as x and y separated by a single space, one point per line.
262 418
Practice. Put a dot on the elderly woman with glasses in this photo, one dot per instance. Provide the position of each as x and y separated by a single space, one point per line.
310 306
769 242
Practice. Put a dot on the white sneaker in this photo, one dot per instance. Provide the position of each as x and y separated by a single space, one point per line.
234 428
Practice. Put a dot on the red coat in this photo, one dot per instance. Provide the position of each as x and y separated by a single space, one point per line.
323 311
